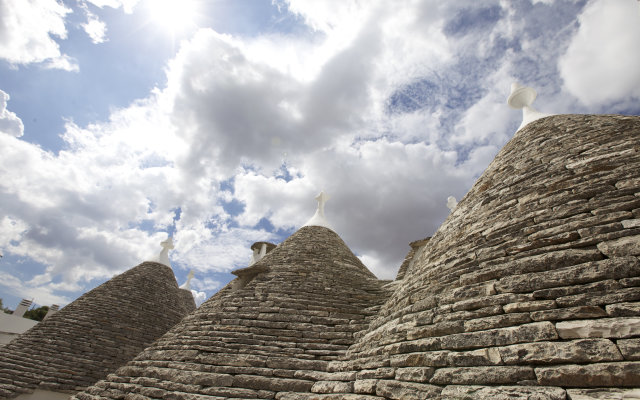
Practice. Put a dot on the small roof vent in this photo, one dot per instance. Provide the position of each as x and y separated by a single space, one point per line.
260 249
52 310
22 307
187 284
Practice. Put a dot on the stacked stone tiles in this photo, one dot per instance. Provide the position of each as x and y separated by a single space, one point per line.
95 334
531 287
296 310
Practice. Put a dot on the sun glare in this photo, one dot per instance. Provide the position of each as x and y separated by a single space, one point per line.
174 16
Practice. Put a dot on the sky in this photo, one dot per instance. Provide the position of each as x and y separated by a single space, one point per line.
218 122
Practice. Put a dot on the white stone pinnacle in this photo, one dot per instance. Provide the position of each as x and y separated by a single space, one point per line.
163 257
451 203
318 218
522 97
187 284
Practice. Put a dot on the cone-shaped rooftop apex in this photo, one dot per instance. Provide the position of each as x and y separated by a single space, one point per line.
318 218
522 97
163 256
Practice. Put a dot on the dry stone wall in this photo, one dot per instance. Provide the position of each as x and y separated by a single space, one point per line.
531 287
95 334
296 311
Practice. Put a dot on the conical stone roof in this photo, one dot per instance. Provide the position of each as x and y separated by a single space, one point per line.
95 334
274 329
529 289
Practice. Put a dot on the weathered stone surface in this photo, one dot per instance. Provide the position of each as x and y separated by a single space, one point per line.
438 329
325 376
481 375
529 306
557 293
604 297
630 349
576 351
616 268
499 337
406 390
603 394
630 223
473 358
569 313
332 387
535 263
620 374
366 386
625 246
603 327
459 392
379 373
271 383
414 374
496 321
427 359
623 310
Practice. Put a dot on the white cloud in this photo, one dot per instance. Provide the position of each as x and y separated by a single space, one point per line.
27 29
127 5
199 297
602 64
328 106
9 121
96 29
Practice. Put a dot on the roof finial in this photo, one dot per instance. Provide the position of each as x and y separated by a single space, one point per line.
318 218
451 203
163 257
187 284
522 97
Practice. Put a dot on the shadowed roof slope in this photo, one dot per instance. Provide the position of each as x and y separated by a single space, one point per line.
275 328
95 334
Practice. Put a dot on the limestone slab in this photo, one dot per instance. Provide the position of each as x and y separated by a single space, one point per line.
622 267
460 392
620 374
406 390
603 394
625 246
481 375
568 313
630 349
631 309
599 328
534 332
366 386
576 351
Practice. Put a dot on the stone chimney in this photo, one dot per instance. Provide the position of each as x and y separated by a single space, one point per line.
22 307
52 310
260 249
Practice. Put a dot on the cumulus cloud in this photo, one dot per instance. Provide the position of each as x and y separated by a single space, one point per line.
28 29
389 107
9 121
602 64
199 297
127 5
94 27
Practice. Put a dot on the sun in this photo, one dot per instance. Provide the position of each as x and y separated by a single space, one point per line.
174 16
